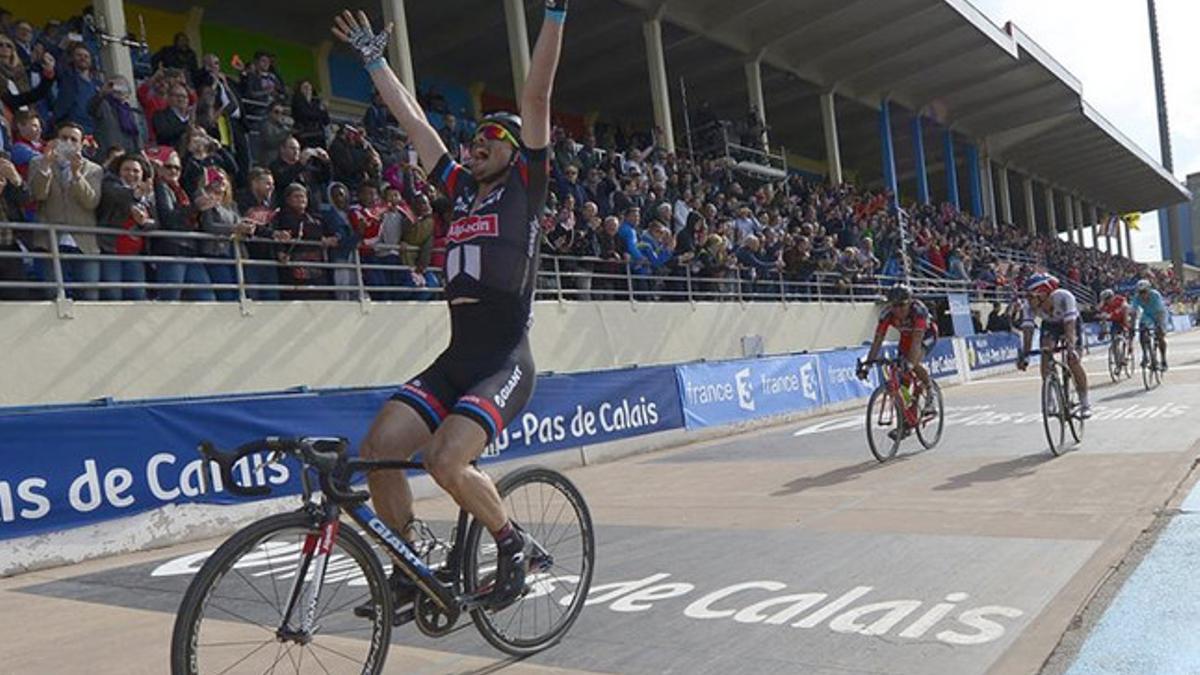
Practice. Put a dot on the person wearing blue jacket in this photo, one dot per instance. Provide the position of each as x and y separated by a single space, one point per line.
342 240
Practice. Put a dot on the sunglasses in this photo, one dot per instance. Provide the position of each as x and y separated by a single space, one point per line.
494 132
172 167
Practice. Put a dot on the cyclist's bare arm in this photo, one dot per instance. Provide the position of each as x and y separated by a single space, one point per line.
539 84
402 104
875 345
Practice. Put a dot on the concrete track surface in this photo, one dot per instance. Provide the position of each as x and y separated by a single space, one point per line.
784 550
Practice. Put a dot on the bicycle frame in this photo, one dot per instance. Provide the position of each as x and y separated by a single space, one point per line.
893 370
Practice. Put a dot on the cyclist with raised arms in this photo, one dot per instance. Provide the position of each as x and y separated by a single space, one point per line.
1060 321
918 333
1152 314
453 409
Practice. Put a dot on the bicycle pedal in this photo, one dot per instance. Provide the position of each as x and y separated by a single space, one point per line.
404 616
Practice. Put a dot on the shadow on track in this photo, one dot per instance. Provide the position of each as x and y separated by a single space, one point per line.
992 473
837 476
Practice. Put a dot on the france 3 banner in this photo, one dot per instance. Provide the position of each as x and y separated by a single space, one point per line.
715 394
992 349
839 374
67 467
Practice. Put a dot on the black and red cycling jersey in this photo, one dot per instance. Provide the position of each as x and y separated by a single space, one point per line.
487 372
918 324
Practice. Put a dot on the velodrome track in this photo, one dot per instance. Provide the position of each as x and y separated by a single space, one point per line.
785 550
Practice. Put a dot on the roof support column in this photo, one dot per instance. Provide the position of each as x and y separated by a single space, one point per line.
116 59
833 153
1006 209
399 50
1079 220
951 168
974 184
1051 218
518 43
1094 219
757 102
659 94
1120 238
1030 215
889 151
1108 243
1128 240
989 192
1069 220
918 134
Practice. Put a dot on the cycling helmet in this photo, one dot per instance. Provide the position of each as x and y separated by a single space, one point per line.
1041 283
1143 285
509 122
1106 295
898 294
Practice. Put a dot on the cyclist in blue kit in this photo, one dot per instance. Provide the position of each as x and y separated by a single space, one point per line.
453 409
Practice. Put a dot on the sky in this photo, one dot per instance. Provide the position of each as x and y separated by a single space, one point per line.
1106 45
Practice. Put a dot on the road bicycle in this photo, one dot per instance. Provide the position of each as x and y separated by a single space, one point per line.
900 405
1151 368
287 593
1120 356
1060 402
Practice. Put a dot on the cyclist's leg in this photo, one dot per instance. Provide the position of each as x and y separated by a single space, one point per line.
477 419
1075 363
1049 340
1162 341
403 427
915 354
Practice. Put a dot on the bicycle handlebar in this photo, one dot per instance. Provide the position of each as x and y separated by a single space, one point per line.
326 455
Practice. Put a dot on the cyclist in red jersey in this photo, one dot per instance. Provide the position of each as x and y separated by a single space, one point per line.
1117 310
460 403
918 333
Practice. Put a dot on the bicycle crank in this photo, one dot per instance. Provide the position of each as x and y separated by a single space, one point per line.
433 620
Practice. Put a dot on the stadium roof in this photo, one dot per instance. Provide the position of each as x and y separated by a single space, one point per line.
943 57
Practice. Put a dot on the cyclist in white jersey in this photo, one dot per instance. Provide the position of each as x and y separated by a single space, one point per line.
1059 313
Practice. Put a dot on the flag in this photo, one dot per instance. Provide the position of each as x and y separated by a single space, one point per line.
1112 227
1131 220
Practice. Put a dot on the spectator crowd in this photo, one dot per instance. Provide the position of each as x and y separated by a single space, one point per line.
259 166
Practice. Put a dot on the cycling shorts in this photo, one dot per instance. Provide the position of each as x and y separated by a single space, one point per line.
490 389
928 340
1054 332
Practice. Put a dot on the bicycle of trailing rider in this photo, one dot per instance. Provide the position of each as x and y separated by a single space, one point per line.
899 405
1061 409
1152 368
280 594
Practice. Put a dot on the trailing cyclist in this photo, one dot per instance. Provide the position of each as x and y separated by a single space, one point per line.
918 334
1118 314
458 405
1152 314
1060 322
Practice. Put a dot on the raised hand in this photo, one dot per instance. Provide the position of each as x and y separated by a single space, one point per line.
356 32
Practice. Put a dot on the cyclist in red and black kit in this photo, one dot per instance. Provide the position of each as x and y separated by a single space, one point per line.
455 407
918 333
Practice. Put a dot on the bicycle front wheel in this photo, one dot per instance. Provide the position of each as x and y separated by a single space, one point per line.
929 430
231 619
1071 406
1053 413
885 423
551 510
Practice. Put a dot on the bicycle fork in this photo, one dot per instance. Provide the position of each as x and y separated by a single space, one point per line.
315 554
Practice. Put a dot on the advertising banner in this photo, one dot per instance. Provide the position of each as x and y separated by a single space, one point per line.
67 467
736 391
992 349
960 314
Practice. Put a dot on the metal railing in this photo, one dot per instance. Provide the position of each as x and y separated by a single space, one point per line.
250 271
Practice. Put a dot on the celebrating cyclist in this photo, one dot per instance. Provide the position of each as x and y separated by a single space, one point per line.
458 405
918 333
1060 322
1152 314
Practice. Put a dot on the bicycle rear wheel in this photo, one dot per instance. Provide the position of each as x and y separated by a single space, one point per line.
929 431
1053 414
1114 360
885 423
549 508
231 617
